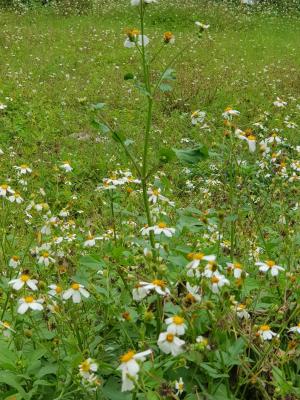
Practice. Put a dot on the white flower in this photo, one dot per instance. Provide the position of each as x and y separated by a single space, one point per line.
130 368
23 169
161 227
66 166
5 190
3 106
237 269
203 342
265 332
201 25
193 293
23 279
176 325
55 290
14 262
90 240
6 329
218 281
229 113
295 328
274 138
87 368
196 259
138 2
179 386
169 343
280 103
249 138
45 259
135 39
16 198
28 302
144 288
269 265
76 291
241 311
198 117
155 195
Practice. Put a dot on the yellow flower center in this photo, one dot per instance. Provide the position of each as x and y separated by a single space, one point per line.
4 187
58 289
298 325
85 366
127 356
264 328
198 256
29 299
23 166
215 279
24 278
170 337
237 266
270 263
251 137
155 192
6 325
45 254
75 286
162 225
168 37
16 258
178 320
241 306
159 282
90 237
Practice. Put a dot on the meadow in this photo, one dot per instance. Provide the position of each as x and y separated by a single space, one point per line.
149 201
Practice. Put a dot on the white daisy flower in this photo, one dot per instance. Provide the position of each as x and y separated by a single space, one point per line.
6 329
23 169
55 290
201 25
138 2
265 332
160 228
218 281
203 342
76 291
179 387
169 343
66 166
237 269
229 113
193 295
176 325
295 329
241 311
91 240
14 262
87 368
144 288
269 265
5 190
196 259
198 117
130 368
23 279
29 303
45 258
280 103
16 198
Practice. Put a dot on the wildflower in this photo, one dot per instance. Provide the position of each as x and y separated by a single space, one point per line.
169 343
249 138
202 343
237 269
87 367
169 37
176 325
5 190
265 332
192 295
23 279
55 290
6 329
197 258
218 281
179 386
130 368
23 169
280 103
16 198
198 117
66 166
138 2
274 139
134 38
45 258
162 227
201 26
241 311
155 195
144 288
269 265
2 106
29 302
14 262
229 113
76 291
91 240
295 328
210 268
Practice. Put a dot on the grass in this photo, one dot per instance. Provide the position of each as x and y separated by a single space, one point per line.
53 69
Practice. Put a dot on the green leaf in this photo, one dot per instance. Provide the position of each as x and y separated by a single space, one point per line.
98 106
165 87
118 137
166 155
12 380
192 156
